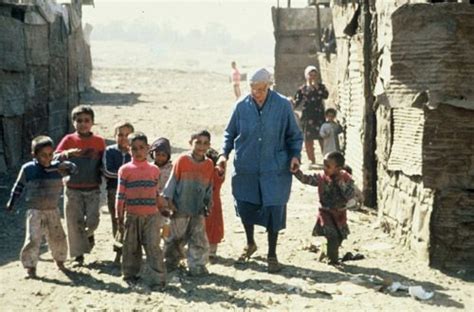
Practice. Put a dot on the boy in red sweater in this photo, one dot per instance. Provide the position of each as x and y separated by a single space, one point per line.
82 193
137 199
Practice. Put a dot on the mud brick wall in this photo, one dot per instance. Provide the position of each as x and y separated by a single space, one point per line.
351 101
41 67
425 133
449 168
297 44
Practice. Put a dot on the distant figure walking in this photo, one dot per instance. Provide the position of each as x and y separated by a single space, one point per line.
235 75
310 98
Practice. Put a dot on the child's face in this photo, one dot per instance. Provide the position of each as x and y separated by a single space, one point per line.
139 150
200 145
44 156
121 137
330 117
83 123
161 158
331 168
313 77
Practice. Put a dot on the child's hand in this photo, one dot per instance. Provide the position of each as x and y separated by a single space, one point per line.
120 226
165 213
294 165
72 152
9 207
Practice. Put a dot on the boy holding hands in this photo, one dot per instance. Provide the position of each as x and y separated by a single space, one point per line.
336 188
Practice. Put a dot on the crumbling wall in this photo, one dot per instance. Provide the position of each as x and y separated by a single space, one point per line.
297 37
425 137
353 93
42 57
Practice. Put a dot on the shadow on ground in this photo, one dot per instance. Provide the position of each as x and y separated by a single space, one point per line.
94 96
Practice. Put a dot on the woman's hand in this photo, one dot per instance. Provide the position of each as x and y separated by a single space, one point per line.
294 165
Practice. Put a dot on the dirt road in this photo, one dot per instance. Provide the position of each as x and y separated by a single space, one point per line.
173 103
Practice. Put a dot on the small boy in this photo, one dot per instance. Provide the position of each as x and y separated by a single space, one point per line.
137 196
189 192
160 152
114 157
41 179
82 193
336 188
330 131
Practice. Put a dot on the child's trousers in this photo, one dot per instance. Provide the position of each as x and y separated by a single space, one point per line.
39 223
142 231
190 230
82 216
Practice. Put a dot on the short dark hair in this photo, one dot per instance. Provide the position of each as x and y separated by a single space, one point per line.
348 169
330 111
123 124
337 157
82 109
40 142
137 136
200 133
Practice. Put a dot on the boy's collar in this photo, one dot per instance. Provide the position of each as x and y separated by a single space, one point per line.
84 135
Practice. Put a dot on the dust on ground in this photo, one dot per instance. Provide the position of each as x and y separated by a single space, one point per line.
174 103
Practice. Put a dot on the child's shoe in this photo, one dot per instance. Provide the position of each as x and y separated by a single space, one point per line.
60 265
31 273
131 280
79 260
199 270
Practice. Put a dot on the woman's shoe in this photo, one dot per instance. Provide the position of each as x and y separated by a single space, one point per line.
273 265
249 250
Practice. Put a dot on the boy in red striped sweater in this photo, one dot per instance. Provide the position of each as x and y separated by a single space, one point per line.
137 196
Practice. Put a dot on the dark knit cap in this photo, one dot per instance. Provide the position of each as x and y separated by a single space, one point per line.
161 145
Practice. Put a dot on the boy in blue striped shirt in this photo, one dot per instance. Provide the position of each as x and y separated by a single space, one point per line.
41 179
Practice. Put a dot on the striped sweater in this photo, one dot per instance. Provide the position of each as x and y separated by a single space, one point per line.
190 185
137 189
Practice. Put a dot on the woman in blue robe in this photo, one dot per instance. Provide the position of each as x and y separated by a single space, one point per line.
267 142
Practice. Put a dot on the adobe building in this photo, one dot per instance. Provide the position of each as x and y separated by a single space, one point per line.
45 64
403 77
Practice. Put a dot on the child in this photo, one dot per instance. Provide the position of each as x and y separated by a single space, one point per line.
114 157
330 131
42 180
336 188
189 192
82 193
160 152
215 220
137 202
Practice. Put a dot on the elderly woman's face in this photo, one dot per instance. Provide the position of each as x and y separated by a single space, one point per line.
259 91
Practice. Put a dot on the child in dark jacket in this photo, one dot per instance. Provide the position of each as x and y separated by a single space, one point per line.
336 188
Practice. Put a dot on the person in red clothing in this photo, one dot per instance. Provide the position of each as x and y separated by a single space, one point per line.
215 220
82 193
137 205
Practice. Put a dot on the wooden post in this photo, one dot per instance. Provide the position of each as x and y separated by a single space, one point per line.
289 3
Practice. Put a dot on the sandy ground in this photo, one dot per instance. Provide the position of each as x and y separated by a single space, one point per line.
173 103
